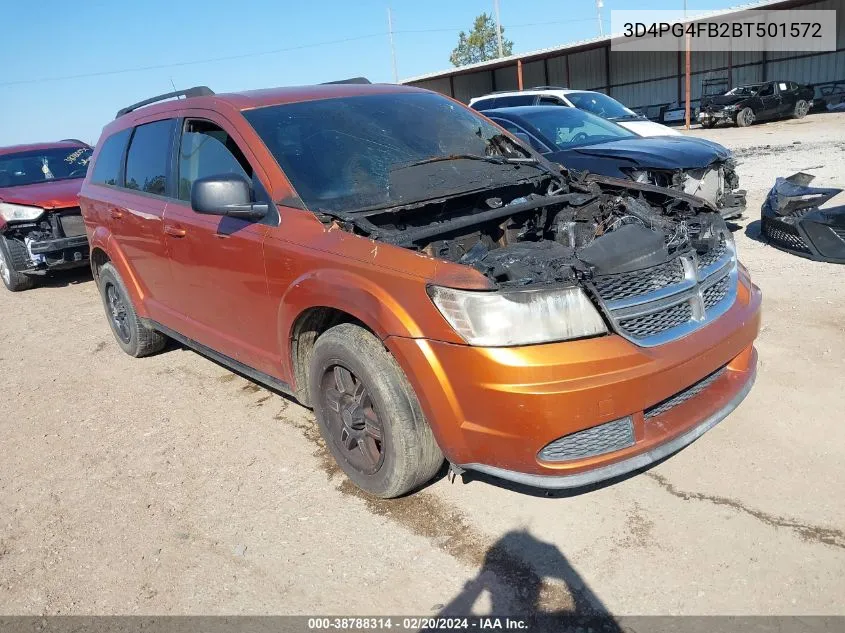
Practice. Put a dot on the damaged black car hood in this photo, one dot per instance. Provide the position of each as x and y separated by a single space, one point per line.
724 100
660 152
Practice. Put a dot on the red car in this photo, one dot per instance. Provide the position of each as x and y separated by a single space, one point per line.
41 227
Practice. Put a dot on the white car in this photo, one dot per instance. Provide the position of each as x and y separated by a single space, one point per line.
594 102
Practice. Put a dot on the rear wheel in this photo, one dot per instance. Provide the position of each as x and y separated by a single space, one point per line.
134 338
802 107
13 255
745 117
369 415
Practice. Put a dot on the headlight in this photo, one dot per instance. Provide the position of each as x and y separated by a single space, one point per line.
519 317
731 107
638 175
19 212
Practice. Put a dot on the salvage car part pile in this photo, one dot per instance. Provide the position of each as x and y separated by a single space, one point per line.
792 220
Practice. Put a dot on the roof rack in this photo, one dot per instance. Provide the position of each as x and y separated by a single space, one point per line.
196 91
74 140
353 80
548 88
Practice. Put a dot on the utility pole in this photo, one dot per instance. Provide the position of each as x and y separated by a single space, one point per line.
687 82
392 46
599 5
498 28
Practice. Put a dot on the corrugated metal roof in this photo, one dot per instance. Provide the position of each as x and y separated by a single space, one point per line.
588 43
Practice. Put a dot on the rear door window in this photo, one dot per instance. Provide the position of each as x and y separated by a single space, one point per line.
208 150
484 104
110 159
148 160
550 101
515 100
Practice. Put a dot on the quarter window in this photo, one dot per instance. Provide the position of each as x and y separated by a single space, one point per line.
207 150
148 157
107 167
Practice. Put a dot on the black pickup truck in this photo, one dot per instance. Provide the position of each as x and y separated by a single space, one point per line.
757 102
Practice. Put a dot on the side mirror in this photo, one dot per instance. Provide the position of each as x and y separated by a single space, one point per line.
227 194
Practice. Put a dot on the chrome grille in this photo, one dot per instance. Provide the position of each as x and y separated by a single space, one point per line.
639 282
659 304
604 438
713 255
657 322
715 293
682 396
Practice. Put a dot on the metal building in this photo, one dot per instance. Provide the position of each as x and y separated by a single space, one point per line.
647 81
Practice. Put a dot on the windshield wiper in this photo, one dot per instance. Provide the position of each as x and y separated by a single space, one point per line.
496 160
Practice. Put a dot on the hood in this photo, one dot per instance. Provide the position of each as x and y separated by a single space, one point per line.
667 152
647 128
723 100
50 194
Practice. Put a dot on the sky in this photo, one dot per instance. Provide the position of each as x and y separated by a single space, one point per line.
67 67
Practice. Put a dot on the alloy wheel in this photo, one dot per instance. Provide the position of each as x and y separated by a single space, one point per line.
749 117
803 109
353 424
118 313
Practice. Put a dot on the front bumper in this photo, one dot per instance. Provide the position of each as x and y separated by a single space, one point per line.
733 205
63 252
495 409
719 115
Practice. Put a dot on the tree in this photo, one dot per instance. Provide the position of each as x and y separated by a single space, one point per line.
481 44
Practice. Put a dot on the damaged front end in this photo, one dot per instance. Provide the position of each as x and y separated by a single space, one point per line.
657 264
39 240
792 221
717 183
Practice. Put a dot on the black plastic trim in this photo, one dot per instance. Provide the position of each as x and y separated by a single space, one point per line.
250 372
52 246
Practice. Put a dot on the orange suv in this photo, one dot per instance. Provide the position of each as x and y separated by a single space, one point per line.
429 285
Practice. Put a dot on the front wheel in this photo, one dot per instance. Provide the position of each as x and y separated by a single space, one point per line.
801 109
12 255
708 123
369 415
745 117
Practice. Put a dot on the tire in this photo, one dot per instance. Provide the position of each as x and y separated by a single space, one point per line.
801 109
745 117
359 392
13 255
708 124
134 338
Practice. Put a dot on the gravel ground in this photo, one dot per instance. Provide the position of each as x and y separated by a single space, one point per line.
169 485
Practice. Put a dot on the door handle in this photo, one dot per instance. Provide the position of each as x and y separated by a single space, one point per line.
116 213
174 231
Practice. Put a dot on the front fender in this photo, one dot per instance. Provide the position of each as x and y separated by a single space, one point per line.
349 292
375 304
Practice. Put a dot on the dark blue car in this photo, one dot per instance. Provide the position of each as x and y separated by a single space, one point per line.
581 141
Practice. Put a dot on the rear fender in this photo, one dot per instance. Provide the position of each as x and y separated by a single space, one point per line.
101 239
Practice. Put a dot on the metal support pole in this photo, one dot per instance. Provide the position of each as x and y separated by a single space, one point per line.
498 28
687 81
392 47
519 73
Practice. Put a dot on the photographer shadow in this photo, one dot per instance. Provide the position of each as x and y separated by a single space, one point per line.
514 576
